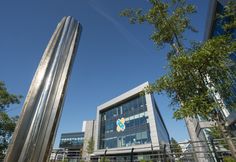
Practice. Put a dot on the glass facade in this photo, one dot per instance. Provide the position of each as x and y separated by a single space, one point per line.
218 30
125 124
163 135
72 140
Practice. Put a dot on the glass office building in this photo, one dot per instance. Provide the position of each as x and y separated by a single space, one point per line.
132 114
72 140
217 30
72 143
129 121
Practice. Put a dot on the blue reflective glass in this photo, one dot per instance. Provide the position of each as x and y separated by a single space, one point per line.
135 122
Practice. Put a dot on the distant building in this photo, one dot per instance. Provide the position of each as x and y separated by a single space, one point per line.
72 140
89 129
73 144
129 121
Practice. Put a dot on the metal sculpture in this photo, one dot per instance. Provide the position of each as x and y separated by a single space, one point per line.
36 128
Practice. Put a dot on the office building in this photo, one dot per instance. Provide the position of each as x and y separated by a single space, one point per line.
73 144
129 121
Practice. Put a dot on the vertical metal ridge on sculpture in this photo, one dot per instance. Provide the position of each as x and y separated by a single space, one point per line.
36 128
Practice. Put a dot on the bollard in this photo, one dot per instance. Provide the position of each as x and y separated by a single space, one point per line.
164 153
132 155
104 157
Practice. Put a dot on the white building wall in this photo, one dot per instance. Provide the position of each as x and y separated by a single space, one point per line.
152 120
89 129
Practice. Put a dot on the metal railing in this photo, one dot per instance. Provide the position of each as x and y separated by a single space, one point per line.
191 151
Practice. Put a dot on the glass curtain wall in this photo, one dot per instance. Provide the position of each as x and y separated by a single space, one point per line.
218 30
125 124
71 141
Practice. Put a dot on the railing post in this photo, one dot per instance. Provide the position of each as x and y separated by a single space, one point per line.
132 155
104 157
214 150
152 152
164 153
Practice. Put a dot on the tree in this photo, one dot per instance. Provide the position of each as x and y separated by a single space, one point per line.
162 16
6 98
90 147
187 80
176 148
200 77
181 66
7 124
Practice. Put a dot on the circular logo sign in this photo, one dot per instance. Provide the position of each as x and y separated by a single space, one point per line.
120 125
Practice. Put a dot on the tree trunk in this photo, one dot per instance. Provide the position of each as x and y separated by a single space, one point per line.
227 137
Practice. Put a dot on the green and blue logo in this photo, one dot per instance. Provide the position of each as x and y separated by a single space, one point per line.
120 125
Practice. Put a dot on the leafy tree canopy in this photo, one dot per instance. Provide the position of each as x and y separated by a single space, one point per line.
196 74
162 16
7 124
6 98
228 16
187 80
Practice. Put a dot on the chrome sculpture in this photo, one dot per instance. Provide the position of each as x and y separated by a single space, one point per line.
36 128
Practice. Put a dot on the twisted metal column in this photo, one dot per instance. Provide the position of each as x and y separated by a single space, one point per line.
36 128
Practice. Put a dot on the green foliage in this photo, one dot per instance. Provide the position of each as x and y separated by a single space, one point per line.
145 160
187 81
6 98
215 133
7 124
175 148
229 159
170 20
90 147
229 14
142 160
104 159
195 76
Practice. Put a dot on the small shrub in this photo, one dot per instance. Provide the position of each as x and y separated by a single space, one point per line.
229 159
104 160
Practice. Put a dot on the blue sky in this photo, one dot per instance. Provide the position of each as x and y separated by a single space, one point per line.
113 56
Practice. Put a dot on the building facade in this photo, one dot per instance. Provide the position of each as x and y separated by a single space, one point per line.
88 146
72 143
129 121
215 28
72 140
